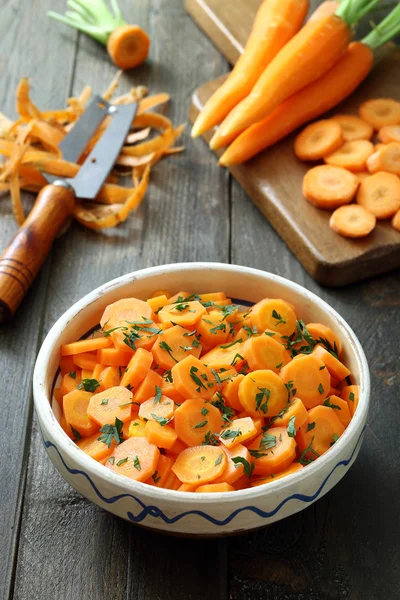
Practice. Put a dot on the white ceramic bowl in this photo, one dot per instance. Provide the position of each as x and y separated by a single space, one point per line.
182 512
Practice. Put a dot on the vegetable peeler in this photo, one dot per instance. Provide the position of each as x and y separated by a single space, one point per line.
27 251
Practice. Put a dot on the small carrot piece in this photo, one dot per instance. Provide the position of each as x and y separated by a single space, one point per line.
163 476
352 155
352 221
380 111
169 389
110 377
316 437
386 158
187 487
354 128
274 314
234 470
86 360
57 395
396 221
195 420
351 393
75 405
294 409
162 436
213 330
137 428
85 346
275 23
113 357
159 409
224 354
158 293
389 133
341 406
273 451
128 46
239 431
322 333
336 368
263 393
67 364
263 352
183 313
177 447
70 382
200 464
113 403
214 488
380 194
193 379
318 140
173 345
230 391
293 468
95 448
147 388
120 319
87 374
307 378
135 458
157 302
137 369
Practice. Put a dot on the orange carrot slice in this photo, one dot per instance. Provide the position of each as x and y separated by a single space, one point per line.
318 140
323 334
147 388
85 346
387 158
159 408
182 313
163 476
341 406
294 412
234 468
230 391
396 221
75 405
336 368
109 405
135 458
237 432
123 318
274 314
352 155
137 428
272 451
263 352
70 382
328 186
113 357
322 431
352 221
293 468
200 464
67 364
196 421
95 448
162 436
380 194
389 133
263 393
137 369
193 379
354 128
213 330
307 378
214 488
351 393
173 345
86 360
380 111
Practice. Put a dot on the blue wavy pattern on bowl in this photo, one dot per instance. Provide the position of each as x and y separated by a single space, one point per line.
154 511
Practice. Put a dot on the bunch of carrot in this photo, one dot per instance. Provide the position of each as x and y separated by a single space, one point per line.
30 147
193 393
355 168
289 74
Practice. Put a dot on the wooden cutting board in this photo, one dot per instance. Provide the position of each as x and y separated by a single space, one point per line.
273 179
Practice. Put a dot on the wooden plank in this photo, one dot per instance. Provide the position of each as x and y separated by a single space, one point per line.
25 51
273 180
226 24
70 548
335 548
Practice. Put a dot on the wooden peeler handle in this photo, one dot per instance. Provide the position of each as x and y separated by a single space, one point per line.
29 248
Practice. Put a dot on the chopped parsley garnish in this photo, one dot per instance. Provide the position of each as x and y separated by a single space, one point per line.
104 401
181 307
204 411
195 343
162 420
221 327
217 377
300 335
196 378
310 426
239 341
322 368
89 385
321 388
186 348
209 440
279 366
108 332
131 338
289 387
328 346
270 333
260 404
72 374
111 432
244 368
158 396
327 402
136 463
76 434
267 442
111 460
236 358
201 424
335 438
248 468
306 461
291 429
168 376
217 462
190 333
230 434
351 396
167 349
156 477
122 461
278 318
250 332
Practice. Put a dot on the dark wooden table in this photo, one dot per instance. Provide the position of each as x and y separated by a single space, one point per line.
57 545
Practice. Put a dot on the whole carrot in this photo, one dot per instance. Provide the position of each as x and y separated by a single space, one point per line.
304 59
276 23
